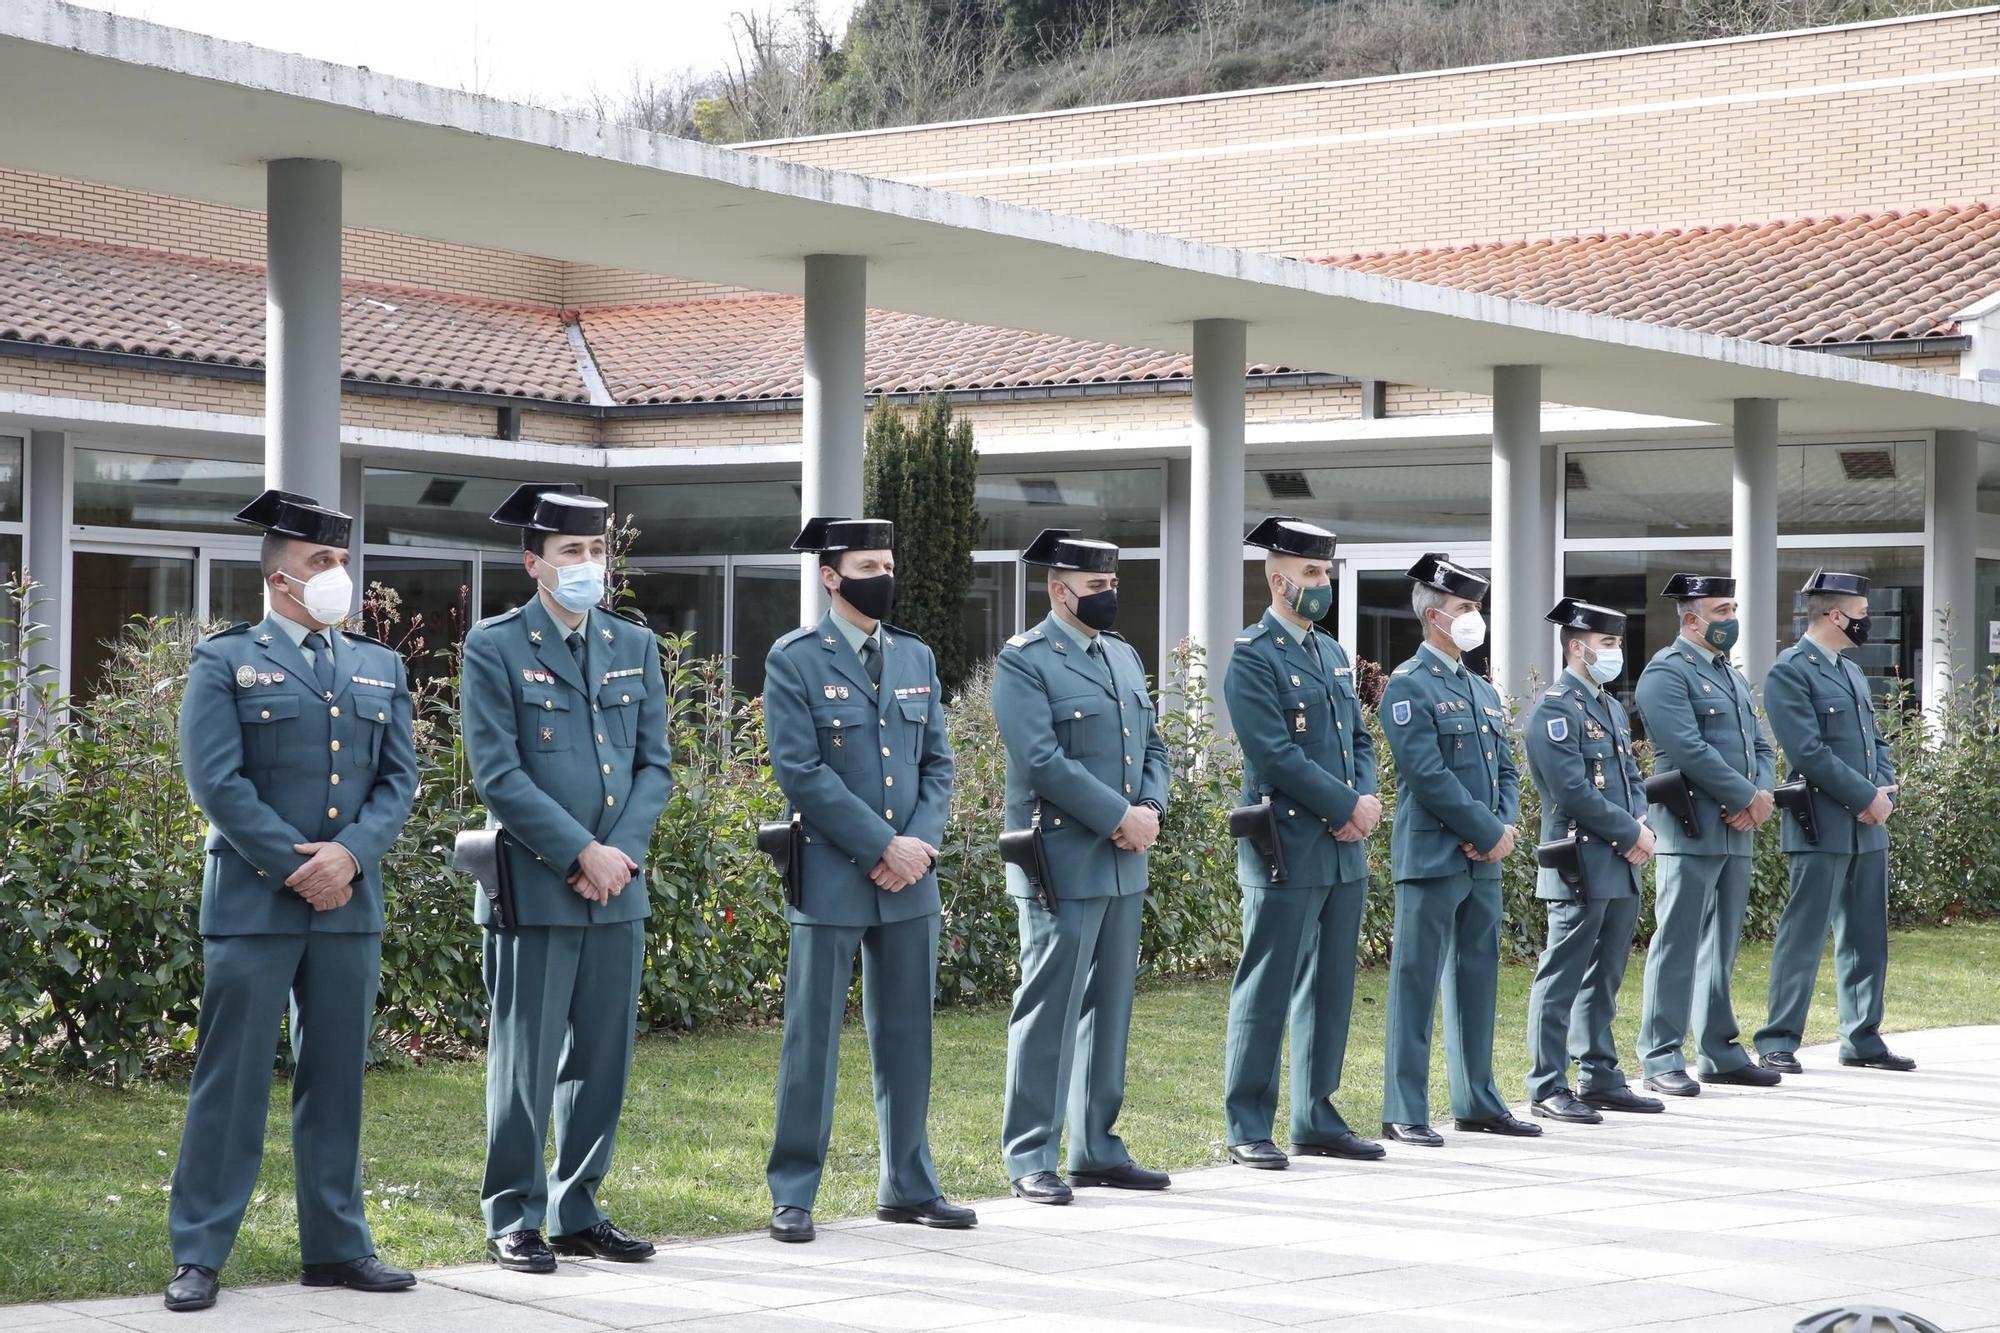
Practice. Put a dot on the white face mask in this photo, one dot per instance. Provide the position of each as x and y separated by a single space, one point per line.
1467 631
328 594
578 587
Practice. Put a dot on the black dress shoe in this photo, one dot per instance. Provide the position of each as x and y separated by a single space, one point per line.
1349 1145
1261 1154
1750 1076
1563 1105
1423 1136
1622 1099
1782 1061
364 1274
522 1252
936 1213
792 1224
1902 1064
1127 1176
1042 1187
603 1241
193 1288
1506 1123
1674 1083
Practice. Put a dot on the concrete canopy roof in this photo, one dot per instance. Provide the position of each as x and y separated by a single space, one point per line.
93 95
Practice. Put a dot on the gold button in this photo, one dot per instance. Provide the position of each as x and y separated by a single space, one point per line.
333 812
888 782
1291 812
625 698
607 768
1128 789
1489 754
600 738
885 752
265 715
1128 761
333 778
891 814
1482 726
885 722
548 703
1078 713
593 708
611 800
335 746
1128 731
1058 823
380 717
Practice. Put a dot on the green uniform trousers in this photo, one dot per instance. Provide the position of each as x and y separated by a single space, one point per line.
1299 949
1853 890
330 977
1698 908
1447 931
565 1001
1575 995
898 985
1066 1037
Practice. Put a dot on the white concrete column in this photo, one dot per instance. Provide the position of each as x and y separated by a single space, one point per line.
45 552
1951 562
1753 534
1215 510
1524 535
1176 567
302 327
836 388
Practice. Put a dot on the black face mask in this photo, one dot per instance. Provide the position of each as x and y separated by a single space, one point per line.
1857 630
872 597
1098 610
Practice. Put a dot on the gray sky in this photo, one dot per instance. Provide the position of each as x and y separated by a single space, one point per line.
529 50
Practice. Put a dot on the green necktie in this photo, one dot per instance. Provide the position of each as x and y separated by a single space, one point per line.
871 660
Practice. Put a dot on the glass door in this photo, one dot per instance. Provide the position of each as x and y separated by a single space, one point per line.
113 586
1377 622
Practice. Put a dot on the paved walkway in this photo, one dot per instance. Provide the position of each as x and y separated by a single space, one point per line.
1741 1210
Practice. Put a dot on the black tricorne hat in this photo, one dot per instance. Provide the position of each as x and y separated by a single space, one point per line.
846 534
557 507
1680 587
1061 548
1435 569
1575 613
1827 580
1292 536
289 514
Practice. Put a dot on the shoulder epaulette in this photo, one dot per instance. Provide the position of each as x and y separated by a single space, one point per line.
908 634
1404 669
1112 634
1024 638
1253 633
227 630
359 637
1554 691
500 618
633 614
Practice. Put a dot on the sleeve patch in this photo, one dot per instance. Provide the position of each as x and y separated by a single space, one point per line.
1558 728
1399 712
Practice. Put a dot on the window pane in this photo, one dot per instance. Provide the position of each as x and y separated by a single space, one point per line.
1630 581
1388 632
116 490
10 569
1138 608
989 608
1120 506
767 605
430 509
1982 627
503 586
1396 503
10 480
1666 492
712 518
1895 648
689 601
1989 477
1257 596
424 615
1873 487
108 591
235 591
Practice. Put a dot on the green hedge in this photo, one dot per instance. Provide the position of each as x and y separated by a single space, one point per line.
100 875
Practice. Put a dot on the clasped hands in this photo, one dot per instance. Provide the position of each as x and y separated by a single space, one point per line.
1367 814
602 873
1753 815
903 863
326 880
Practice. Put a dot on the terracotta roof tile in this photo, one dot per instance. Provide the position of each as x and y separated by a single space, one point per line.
111 298
1800 282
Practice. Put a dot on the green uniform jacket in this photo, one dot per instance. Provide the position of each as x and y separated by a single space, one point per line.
1580 753
274 761
1305 745
1823 717
1456 780
563 756
861 765
1700 719
1081 736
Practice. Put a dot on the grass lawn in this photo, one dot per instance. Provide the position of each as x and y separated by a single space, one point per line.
83 1169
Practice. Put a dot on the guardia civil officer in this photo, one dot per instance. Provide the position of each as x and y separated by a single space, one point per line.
856 725
1824 720
296 742
1458 797
1084 763
1579 744
1306 750
1703 724
564 714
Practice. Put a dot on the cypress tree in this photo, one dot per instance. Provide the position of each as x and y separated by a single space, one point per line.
920 475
